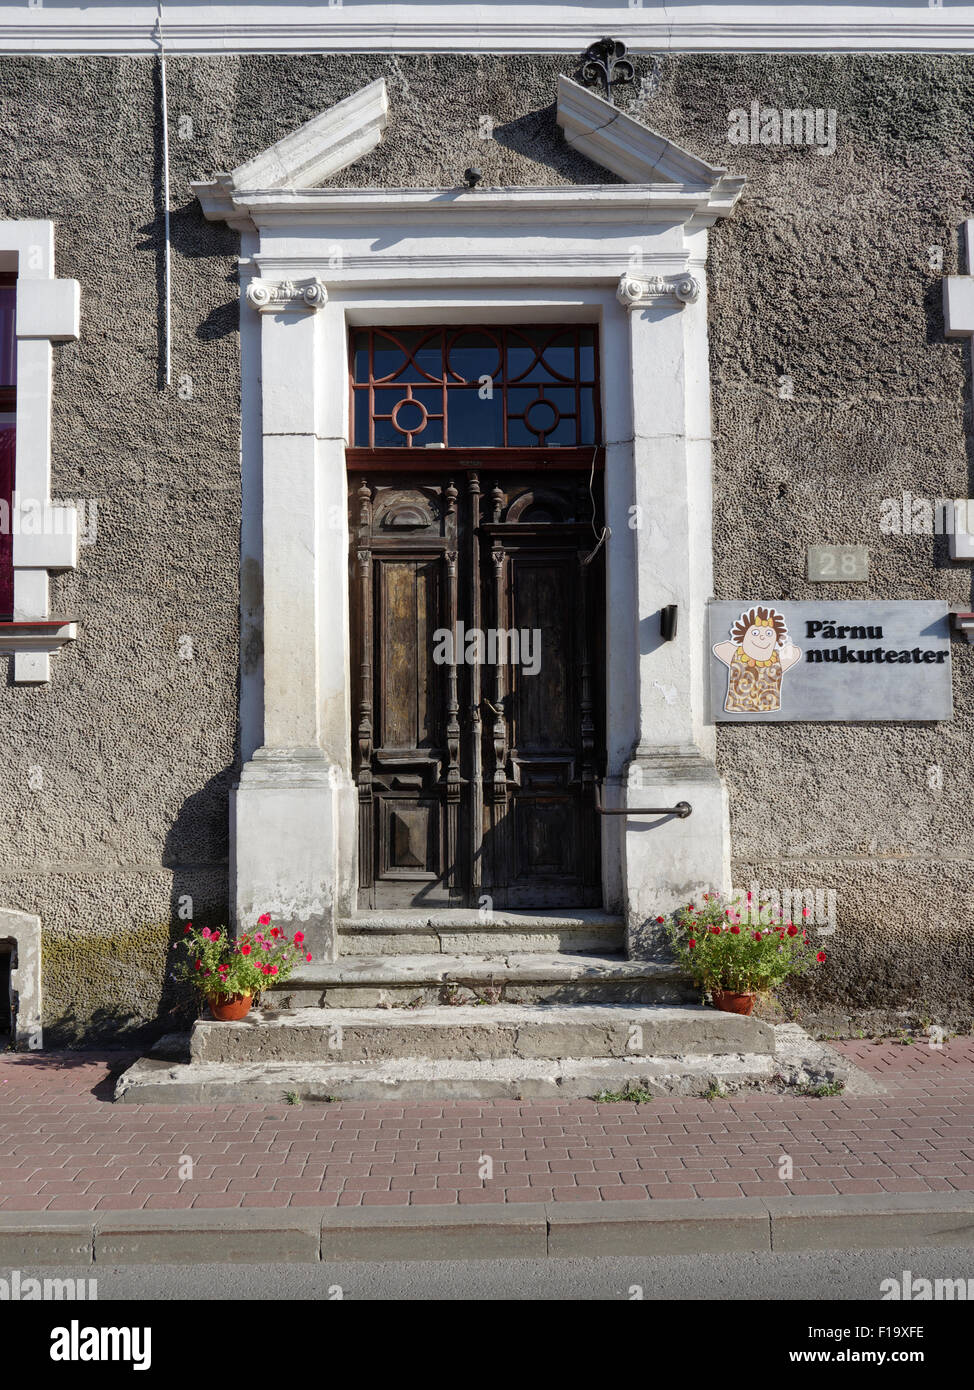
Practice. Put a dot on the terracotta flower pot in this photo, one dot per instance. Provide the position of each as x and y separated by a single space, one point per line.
227 1008
730 1003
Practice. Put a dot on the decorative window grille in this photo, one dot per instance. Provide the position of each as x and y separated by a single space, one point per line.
491 386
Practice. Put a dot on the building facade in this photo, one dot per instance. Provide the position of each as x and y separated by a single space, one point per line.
332 357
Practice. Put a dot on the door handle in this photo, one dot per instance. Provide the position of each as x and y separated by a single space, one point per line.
681 809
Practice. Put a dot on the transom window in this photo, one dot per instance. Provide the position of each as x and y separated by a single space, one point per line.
493 386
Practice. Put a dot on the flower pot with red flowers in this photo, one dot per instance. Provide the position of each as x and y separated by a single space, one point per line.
736 951
231 974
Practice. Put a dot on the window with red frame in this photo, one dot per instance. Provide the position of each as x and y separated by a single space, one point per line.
490 386
8 436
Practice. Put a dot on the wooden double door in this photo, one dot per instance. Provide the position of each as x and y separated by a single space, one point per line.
477 688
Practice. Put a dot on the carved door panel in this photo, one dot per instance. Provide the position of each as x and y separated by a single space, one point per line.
405 587
539 818
475 762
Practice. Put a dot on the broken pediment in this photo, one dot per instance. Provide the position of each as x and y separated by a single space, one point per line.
323 146
289 174
620 143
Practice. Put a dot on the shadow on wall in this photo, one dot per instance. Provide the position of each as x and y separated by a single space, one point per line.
115 988
200 891
537 137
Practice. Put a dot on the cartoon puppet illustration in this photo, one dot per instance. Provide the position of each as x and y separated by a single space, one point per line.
757 657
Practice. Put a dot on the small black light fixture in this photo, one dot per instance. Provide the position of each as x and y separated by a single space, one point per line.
472 177
667 622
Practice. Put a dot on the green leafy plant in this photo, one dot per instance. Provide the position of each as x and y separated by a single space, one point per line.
637 1094
719 949
823 1088
214 963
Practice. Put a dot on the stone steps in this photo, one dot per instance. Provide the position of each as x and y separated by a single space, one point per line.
488 1053
466 932
521 977
158 1082
468 1033
460 1052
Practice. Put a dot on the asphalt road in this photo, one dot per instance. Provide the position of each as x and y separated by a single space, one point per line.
816 1275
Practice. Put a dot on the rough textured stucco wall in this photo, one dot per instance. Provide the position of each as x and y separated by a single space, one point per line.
822 274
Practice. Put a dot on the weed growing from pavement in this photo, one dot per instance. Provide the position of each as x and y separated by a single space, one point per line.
824 1088
637 1094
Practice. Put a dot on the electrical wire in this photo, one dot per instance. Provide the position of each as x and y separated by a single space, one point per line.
165 201
606 530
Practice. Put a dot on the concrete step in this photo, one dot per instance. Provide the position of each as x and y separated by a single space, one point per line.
521 977
362 1071
157 1082
466 931
480 1034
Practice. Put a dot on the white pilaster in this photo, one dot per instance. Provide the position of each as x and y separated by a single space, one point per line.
287 805
666 858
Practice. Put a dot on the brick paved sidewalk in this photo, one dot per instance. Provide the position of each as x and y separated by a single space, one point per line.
64 1146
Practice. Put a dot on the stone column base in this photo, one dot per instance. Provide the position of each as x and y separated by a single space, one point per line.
285 844
668 861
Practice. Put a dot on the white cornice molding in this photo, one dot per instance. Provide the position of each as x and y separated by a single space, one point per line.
343 208
486 28
323 146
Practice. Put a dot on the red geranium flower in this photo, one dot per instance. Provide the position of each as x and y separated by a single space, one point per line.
715 931
308 956
245 950
792 929
275 932
735 931
660 919
820 957
757 936
264 921
298 938
691 943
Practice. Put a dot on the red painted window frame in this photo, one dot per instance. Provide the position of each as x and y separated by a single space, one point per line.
8 405
441 336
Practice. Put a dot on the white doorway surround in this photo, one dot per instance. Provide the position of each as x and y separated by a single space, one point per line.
629 257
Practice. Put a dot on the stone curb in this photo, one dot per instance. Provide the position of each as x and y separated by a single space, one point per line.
559 1230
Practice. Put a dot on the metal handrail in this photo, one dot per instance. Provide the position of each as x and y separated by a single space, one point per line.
681 809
